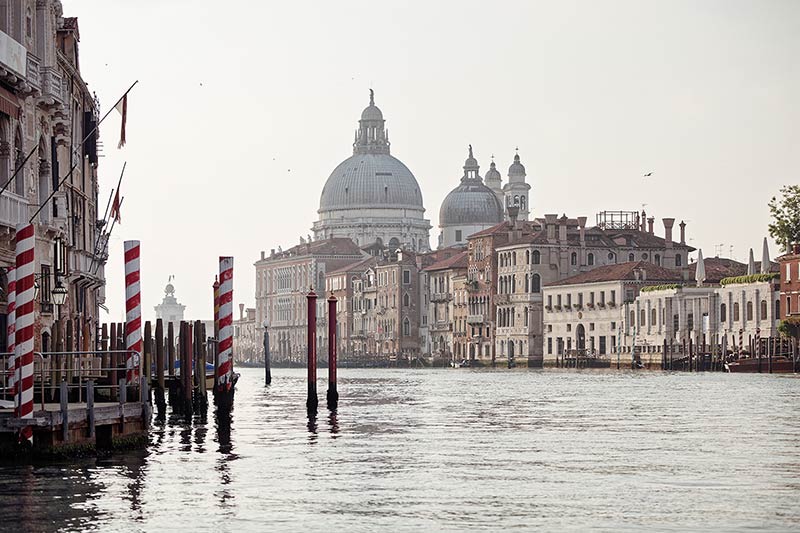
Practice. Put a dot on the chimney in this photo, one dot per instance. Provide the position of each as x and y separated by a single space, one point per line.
562 229
643 221
650 225
582 229
683 232
262 254
644 274
241 311
550 226
271 253
668 223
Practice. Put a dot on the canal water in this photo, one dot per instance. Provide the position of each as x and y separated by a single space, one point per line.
448 450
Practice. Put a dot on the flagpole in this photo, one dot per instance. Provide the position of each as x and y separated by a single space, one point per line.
106 214
21 166
108 237
74 150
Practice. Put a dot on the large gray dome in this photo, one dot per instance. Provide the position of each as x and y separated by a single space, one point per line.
471 203
370 180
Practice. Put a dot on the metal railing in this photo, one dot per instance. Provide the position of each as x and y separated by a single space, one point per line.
52 368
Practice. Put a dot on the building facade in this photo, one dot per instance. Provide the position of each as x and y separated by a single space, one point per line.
48 168
442 283
790 284
170 311
283 280
248 337
372 196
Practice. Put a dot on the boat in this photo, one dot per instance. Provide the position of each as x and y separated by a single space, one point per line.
780 365
209 374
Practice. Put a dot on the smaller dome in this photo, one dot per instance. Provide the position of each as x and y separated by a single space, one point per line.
493 174
517 169
371 112
471 203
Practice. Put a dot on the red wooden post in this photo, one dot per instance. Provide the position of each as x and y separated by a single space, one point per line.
333 394
312 402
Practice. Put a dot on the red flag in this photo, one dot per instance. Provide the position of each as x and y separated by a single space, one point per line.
122 107
115 207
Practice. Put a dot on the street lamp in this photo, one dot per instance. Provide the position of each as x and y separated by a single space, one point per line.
59 294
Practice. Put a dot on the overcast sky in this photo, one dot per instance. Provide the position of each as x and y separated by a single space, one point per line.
244 108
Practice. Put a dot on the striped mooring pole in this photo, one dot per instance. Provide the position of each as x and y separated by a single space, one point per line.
225 364
133 312
12 295
333 393
23 325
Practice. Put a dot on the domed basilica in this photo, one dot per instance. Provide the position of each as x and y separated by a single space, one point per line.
372 196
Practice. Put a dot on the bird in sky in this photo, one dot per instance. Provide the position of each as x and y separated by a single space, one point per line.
647 175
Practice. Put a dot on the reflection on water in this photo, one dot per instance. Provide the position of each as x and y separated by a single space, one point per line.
460 450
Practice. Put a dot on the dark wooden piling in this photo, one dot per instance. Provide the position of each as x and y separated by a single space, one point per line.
691 352
159 342
333 393
64 398
147 370
200 366
186 367
312 402
90 408
170 349
267 362
113 377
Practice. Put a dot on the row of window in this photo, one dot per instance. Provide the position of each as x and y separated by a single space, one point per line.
601 299
507 284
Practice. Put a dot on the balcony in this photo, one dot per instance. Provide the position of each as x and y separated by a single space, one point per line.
84 266
441 325
501 299
13 210
52 88
475 319
441 297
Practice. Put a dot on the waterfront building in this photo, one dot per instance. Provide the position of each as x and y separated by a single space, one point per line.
248 336
372 196
555 248
283 279
460 315
170 311
790 284
343 283
47 110
441 309
596 312
469 208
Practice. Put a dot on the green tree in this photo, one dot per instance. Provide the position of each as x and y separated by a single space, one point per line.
785 226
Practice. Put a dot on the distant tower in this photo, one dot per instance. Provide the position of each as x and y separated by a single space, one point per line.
494 181
169 310
517 190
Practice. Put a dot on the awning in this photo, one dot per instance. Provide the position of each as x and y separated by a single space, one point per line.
9 103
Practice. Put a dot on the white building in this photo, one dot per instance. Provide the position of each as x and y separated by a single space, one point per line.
594 312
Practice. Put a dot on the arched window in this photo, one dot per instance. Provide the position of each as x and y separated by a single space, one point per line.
536 257
631 257
590 259
527 257
522 202
406 300
574 259
777 309
749 310
723 313
653 317
658 259
678 260
536 284
527 283
406 327
763 306
632 319
525 314
514 259
642 317
611 257
736 312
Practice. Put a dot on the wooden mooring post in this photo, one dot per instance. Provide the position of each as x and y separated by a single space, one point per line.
312 401
159 341
333 393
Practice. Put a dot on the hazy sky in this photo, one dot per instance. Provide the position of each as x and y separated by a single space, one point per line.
244 108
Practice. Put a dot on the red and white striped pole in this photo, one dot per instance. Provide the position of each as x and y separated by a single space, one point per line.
23 325
133 312
741 341
225 363
12 294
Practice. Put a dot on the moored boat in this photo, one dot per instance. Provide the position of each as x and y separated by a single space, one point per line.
780 365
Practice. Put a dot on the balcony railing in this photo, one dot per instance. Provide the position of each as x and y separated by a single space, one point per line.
33 74
441 297
13 209
52 86
475 319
